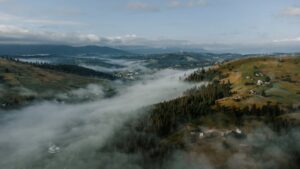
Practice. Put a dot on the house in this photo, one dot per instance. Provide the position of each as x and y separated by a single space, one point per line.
237 130
237 98
260 82
267 83
53 149
253 92
237 133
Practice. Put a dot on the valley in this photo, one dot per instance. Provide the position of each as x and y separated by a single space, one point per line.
140 84
208 117
152 111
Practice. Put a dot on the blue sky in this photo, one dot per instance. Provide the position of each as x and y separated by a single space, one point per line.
155 22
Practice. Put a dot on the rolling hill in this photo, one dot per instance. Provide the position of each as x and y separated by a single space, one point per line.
262 80
22 83
223 123
58 50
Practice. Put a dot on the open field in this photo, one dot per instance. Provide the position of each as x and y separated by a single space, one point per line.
262 80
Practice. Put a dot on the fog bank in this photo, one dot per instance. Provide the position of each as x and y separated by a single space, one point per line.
78 130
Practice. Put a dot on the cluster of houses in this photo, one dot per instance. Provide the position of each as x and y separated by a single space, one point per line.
259 75
129 75
237 98
202 132
259 82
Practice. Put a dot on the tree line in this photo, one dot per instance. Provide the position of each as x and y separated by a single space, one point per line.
67 68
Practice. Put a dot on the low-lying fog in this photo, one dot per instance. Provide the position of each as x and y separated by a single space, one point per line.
78 130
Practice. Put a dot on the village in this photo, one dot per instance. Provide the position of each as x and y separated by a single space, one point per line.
259 80
234 139
204 133
128 75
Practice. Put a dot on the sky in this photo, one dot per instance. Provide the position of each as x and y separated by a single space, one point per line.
207 23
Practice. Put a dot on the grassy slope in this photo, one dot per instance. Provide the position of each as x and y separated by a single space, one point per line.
218 151
22 82
281 90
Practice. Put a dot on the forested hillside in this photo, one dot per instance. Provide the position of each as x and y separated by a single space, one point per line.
22 83
199 124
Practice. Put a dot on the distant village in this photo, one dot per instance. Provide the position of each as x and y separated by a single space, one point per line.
203 132
258 79
128 75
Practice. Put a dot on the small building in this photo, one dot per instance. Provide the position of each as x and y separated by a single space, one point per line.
260 82
237 134
53 149
237 130
267 83
237 98
252 92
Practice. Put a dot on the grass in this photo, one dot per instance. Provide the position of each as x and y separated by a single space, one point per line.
284 74
42 83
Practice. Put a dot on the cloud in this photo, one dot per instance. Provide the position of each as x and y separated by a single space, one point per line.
10 29
142 6
91 91
123 38
292 11
16 19
81 129
15 34
12 34
187 3
52 22
120 65
297 39
168 5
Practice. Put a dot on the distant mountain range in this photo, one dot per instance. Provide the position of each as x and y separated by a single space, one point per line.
58 50
160 50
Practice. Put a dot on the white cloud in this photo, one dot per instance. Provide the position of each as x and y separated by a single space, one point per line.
11 34
21 35
292 11
39 21
52 22
287 40
123 38
10 29
187 3
89 37
169 4
15 34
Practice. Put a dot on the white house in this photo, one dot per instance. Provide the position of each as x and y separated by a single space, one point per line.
53 149
260 82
